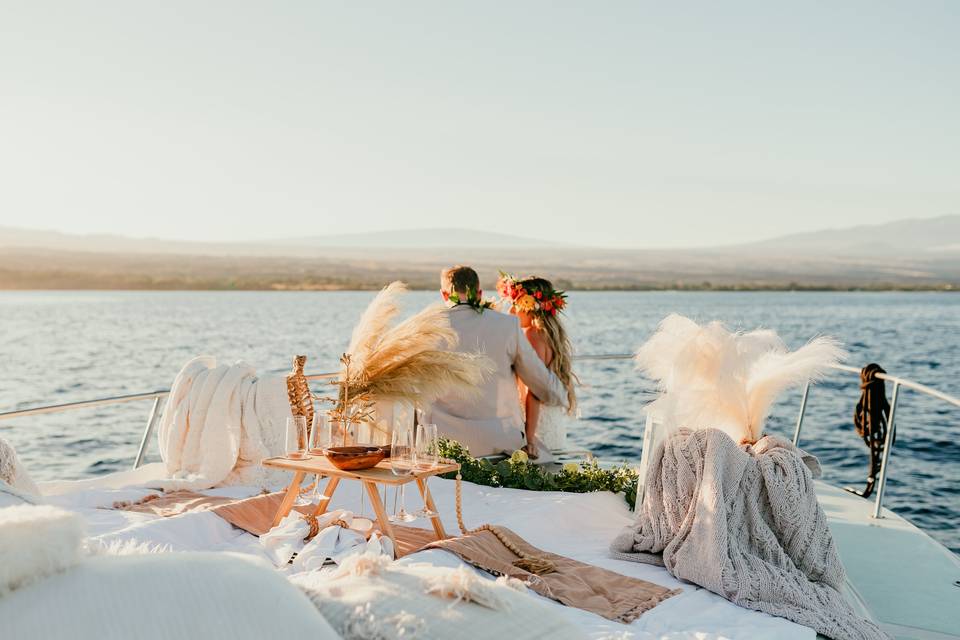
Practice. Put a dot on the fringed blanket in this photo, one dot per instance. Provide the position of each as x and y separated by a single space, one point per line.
576 584
744 522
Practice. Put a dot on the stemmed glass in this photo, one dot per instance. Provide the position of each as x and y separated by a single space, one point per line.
427 458
297 445
402 462
321 437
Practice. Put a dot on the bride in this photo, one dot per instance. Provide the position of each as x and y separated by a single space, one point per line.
537 304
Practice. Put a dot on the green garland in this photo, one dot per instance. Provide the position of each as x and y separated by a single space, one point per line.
473 300
517 472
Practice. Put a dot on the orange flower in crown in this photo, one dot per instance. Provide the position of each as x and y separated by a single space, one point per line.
531 295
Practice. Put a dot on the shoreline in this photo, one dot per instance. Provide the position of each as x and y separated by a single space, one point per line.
665 288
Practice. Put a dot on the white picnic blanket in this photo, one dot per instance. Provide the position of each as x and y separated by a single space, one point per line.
744 522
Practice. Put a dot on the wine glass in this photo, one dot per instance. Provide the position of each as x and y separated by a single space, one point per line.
427 458
321 437
402 462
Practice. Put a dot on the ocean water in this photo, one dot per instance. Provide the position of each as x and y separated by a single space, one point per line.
58 347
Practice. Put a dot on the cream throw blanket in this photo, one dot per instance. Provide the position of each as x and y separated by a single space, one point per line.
744 522
219 422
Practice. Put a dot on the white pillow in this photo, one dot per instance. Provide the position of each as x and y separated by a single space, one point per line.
161 596
36 541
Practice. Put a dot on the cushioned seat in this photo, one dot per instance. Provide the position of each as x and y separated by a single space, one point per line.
160 596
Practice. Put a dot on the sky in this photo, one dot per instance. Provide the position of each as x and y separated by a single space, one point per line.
620 124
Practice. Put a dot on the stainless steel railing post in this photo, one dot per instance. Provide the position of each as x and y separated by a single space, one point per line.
888 442
147 432
803 409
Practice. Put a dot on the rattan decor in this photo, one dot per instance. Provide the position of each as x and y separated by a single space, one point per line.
298 392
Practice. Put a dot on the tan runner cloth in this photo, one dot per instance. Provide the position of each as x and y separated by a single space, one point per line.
254 514
576 584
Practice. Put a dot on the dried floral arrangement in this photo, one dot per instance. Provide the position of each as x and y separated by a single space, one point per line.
411 360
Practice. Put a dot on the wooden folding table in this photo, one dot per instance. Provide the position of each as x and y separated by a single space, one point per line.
380 474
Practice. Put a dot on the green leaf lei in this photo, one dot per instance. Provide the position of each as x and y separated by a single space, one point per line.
473 300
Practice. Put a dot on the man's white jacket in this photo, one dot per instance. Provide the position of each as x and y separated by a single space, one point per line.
492 421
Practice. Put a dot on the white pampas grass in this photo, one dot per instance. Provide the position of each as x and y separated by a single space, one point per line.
710 377
128 547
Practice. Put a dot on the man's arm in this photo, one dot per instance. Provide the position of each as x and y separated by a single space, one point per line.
541 381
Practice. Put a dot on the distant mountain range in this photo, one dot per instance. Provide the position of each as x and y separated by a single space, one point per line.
397 240
917 236
921 236
908 254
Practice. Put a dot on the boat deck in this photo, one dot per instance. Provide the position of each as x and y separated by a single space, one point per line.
908 582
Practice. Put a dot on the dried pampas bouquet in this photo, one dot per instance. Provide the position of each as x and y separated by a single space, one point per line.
411 361
711 377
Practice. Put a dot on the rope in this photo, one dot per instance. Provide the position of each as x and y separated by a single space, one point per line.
315 525
537 565
870 421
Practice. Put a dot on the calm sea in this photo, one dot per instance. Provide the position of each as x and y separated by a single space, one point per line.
60 347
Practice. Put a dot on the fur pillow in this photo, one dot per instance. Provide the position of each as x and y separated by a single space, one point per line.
12 472
37 541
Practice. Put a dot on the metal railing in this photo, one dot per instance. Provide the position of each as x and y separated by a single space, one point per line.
159 395
891 420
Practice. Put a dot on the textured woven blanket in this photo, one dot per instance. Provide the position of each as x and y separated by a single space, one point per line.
576 584
744 522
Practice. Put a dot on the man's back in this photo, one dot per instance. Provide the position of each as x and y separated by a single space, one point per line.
492 420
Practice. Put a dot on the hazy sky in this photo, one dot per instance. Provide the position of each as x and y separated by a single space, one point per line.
626 124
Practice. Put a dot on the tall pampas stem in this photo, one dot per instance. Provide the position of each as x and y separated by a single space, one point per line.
409 361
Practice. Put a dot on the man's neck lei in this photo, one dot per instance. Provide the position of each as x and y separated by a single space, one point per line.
472 300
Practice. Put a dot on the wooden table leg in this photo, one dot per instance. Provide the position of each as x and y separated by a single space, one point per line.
289 497
328 490
378 509
428 503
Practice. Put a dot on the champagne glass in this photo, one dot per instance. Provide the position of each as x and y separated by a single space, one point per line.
402 462
297 446
321 437
321 433
427 458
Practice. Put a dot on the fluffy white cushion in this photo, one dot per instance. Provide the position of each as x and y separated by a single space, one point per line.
13 472
36 541
370 597
156 597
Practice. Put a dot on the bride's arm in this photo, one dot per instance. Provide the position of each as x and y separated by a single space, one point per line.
530 368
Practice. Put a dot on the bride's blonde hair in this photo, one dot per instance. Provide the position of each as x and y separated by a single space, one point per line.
556 334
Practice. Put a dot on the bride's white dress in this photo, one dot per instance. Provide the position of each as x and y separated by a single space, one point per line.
552 429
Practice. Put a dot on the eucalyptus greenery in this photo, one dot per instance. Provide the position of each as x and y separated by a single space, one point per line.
517 472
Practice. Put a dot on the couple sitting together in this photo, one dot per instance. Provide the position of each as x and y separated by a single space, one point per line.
522 404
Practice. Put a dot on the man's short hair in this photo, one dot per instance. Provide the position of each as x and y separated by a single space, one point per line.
460 278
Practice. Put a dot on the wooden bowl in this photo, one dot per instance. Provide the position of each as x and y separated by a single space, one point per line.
354 458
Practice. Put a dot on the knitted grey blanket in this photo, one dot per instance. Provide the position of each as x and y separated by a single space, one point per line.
744 522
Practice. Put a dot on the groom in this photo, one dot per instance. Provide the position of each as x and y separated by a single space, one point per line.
492 421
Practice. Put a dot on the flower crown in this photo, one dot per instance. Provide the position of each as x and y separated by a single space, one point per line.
527 296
